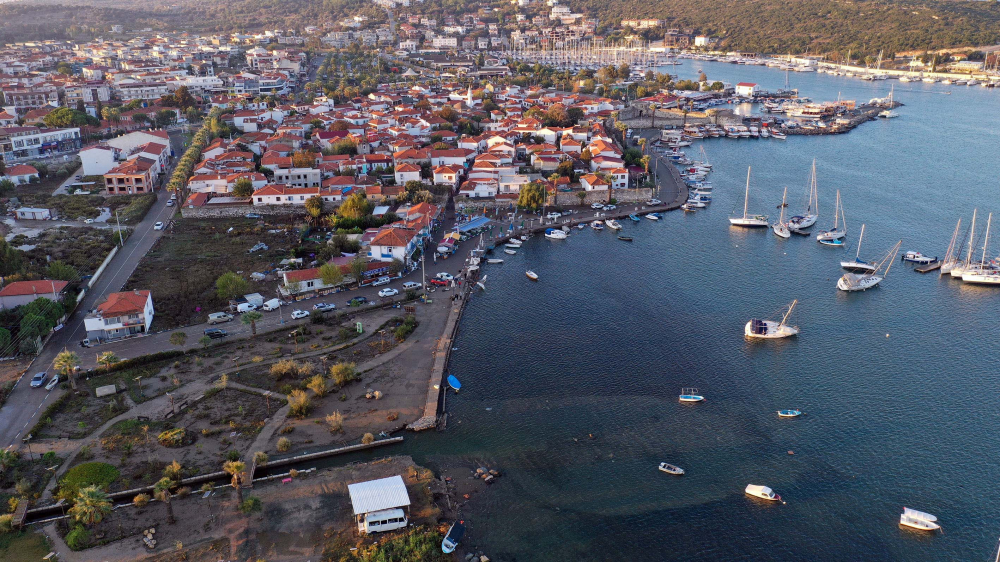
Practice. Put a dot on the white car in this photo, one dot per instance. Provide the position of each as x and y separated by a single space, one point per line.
388 292
324 306
158 226
444 276
88 221
596 205
610 207
296 314
654 202
553 216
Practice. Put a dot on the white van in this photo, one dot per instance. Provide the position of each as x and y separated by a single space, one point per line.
410 285
219 317
272 304
380 521
245 307
382 281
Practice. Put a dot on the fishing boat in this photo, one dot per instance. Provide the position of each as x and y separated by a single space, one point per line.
555 234
688 208
453 383
510 252
951 256
917 257
634 217
771 329
612 224
863 281
625 238
959 268
671 469
494 260
690 394
789 413
807 219
762 492
597 225
858 265
453 537
747 220
653 216
918 520
780 228
531 275
839 229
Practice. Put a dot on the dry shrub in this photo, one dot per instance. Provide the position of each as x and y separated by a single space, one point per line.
335 421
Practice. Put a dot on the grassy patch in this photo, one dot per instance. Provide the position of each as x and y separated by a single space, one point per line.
132 208
75 415
419 543
24 546
87 474
84 248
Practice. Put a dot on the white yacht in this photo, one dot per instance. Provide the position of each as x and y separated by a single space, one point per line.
808 218
983 274
780 228
612 224
748 220
555 234
839 226
918 520
771 329
762 492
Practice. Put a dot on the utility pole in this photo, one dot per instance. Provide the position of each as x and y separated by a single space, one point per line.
121 243
27 441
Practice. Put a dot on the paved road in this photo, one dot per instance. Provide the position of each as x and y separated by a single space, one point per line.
17 415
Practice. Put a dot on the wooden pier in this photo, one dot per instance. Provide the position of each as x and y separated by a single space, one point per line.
936 264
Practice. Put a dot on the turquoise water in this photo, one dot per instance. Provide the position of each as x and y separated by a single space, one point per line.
899 384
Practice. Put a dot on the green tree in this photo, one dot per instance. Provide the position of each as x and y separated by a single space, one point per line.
161 491
65 364
318 385
396 266
251 505
184 98
314 206
582 196
243 187
205 341
237 471
90 506
33 326
6 186
250 318
140 119
178 338
107 359
331 274
164 118
532 196
62 271
355 206
358 266
230 285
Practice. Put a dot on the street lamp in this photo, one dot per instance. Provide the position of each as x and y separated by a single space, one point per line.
139 380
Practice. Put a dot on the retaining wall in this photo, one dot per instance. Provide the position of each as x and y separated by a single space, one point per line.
239 211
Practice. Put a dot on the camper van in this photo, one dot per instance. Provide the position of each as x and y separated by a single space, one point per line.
272 304
385 520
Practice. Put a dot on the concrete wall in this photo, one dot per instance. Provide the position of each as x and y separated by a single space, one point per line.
237 211
621 195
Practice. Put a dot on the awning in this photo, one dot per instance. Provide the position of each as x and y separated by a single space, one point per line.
472 224
376 495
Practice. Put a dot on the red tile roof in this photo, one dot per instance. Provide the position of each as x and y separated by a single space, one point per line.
41 287
128 302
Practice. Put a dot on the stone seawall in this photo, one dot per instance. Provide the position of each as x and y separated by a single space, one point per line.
238 211
619 195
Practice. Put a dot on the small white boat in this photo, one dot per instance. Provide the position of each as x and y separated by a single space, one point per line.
613 224
762 492
770 329
688 208
671 469
494 260
512 245
789 413
918 520
531 275
690 394
555 234
525 237
917 257
597 225
508 251
653 216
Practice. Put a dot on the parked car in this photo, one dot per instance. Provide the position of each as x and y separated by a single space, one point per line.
324 306
170 203
382 281
610 207
356 301
39 379
216 333
388 292
596 206
219 317
158 226
296 314
654 202
88 221
245 307
553 216
444 275
52 383
410 285
437 281
257 247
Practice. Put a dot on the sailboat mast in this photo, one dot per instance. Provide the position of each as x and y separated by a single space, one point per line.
986 242
746 194
785 317
814 191
892 258
781 218
950 254
860 238
972 234
836 212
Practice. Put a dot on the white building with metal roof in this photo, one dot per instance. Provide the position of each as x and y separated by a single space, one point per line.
379 504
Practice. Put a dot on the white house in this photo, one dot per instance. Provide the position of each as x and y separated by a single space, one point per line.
21 173
298 177
277 194
747 89
98 160
393 243
33 213
407 172
591 182
121 315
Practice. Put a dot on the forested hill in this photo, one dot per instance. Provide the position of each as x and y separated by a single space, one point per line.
773 26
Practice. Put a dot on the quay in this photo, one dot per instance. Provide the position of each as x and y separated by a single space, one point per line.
858 116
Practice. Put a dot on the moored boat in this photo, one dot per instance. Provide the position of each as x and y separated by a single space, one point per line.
857 265
612 224
555 234
863 281
653 216
625 238
918 520
770 329
597 225
531 275
917 257
494 260
746 220
789 413
671 469
690 394
454 384
762 492
508 251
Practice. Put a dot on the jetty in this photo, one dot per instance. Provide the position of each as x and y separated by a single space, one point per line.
934 265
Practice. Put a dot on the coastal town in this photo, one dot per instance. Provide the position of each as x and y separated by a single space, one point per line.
234 265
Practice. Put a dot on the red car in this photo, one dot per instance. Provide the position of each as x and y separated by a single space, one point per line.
437 281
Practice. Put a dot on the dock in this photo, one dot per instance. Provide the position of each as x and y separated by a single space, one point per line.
936 264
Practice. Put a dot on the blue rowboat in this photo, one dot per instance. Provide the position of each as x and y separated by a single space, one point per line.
453 383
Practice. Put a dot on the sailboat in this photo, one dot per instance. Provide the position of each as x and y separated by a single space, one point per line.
835 236
799 222
951 258
858 265
983 274
780 228
747 220
863 281
958 269
770 329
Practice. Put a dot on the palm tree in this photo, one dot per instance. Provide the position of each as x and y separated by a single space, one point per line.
91 505
66 363
107 359
161 491
251 318
237 469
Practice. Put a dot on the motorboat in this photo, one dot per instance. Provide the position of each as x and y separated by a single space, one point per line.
858 265
747 220
918 520
625 238
917 257
701 205
581 226
508 251
454 384
762 492
789 413
612 224
771 329
555 234
531 275
494 260
653 216
453 537
671 469
688 208
634 217
512 245
690 394
597 225
834 242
